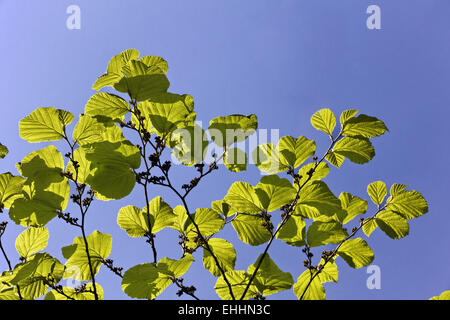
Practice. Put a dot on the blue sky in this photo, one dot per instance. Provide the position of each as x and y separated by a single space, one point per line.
281 60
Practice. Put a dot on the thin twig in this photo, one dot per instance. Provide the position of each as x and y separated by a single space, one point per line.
2 231
81 203
144 137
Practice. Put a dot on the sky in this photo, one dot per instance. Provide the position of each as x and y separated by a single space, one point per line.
281 60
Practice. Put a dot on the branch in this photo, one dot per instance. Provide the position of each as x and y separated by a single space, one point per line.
109 263
330 255
156 161
190 291
144 136
2 231
290 208
83 204
58 288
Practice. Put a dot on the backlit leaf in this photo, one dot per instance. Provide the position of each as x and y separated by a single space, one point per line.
32 240
238 281
357 149
225 254
365 126
321 233
243 196
250 230
231 129
274 192
99 245
44 124
356 252
324 120
148 280
269 278
377 191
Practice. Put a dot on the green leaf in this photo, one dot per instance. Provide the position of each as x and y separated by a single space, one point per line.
180 218
397 188
274 192
324 120
319 196
111 168
114 69
352 206
307 289
225 131
267 158
244 198
3 151
369 227
347 115
444 296
289 152
269 278
321 233
75 294
305 211
365 126
356 252
41 164
133 221
161 214
238 281
117 62
357 149
31 240
293 232
293 152
8 292
107 104
377 191
29 276
143 87
250 230
154 62
77 265
235 160
208 221
84 169
223 208
320 172
88 130
10 189
45 191
409 204
335 159
107 79
164 114
393 224
148 280
190 144
44 124
137 68
225 254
